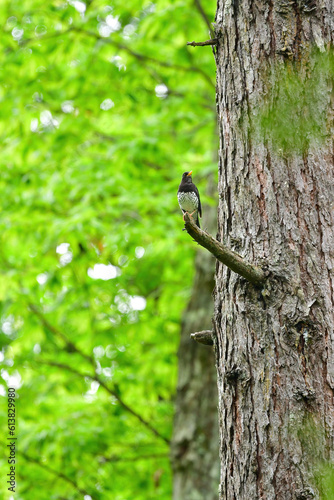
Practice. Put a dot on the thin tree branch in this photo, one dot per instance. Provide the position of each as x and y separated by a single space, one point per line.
212 41
56 34
112 392
200 9
73 348
56 473
228 257
70 346
142 57
111 138
117 458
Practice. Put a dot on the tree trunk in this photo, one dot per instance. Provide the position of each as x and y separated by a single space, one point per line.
195 444
274 346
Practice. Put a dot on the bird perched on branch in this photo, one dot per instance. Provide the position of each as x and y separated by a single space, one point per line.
188 197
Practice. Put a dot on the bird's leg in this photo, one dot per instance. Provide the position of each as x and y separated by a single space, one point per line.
185 212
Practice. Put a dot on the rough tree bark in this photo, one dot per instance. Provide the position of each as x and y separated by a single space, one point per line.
195 443
274 346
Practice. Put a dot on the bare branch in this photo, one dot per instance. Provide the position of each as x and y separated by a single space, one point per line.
212 41
203 337
56 473
228 257
112 392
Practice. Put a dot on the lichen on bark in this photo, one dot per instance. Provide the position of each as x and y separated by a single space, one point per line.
274 349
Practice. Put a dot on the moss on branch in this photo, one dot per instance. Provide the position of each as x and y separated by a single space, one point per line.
231 259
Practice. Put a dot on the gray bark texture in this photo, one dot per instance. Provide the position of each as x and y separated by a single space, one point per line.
195 442
274 345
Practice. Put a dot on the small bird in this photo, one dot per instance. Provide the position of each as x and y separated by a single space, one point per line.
188 197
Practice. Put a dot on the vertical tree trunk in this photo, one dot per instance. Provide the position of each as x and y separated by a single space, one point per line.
274 346
195 443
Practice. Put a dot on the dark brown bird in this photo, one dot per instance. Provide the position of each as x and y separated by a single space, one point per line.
188 197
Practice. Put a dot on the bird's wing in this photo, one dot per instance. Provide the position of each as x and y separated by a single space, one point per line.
199 202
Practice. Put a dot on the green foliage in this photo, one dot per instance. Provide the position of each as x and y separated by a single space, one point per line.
101 112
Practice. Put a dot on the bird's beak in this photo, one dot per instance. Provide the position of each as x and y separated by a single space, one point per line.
189 173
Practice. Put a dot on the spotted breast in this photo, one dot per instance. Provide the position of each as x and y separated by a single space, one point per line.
188 197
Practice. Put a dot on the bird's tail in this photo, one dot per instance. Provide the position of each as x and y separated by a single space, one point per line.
197 222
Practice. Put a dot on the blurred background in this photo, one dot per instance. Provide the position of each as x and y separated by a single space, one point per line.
103 106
